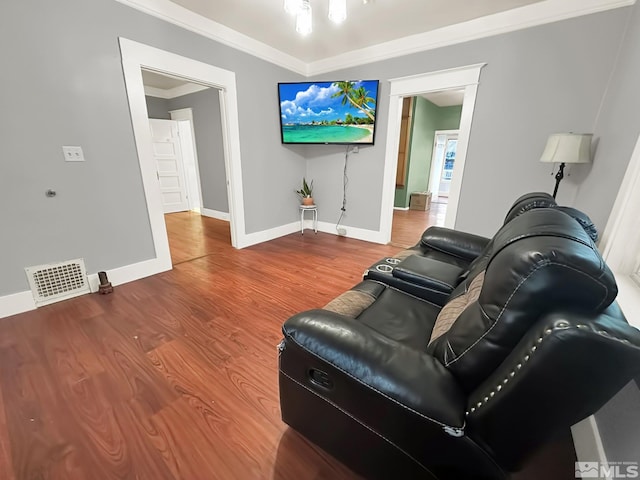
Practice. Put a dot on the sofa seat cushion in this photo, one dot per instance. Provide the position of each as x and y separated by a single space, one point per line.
401 317
388 311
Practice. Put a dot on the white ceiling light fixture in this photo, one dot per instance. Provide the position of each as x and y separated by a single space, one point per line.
337 10
304 18
292 7
302 10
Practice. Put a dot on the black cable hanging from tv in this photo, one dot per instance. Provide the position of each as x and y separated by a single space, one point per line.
345 182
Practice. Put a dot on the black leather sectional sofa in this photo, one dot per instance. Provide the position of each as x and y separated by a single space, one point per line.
467 360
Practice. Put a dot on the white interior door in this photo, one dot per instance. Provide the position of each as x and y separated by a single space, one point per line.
169 165
450 148
442 161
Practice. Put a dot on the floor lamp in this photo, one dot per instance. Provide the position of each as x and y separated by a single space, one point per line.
566 148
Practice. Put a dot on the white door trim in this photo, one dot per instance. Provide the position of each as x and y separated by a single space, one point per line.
136 56
463 77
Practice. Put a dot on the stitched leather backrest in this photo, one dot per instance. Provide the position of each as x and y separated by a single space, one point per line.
527 202
583 219
542 261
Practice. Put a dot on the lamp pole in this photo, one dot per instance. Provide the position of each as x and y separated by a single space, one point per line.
559 176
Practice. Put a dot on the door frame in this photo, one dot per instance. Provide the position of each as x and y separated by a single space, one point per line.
136 56
466 77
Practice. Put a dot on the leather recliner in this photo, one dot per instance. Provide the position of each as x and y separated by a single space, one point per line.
399 387
443 257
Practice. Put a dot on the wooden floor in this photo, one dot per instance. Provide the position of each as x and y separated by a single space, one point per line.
175 376
408 225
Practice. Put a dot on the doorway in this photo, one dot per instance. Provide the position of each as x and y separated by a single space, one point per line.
182 149
136 56
422 172
462 78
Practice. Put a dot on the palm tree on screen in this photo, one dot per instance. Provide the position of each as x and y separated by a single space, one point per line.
356 97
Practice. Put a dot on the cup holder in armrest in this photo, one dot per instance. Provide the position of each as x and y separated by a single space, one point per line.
392 261
384 268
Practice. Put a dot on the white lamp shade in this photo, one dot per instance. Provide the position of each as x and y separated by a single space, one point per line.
568 148
337 10
304 18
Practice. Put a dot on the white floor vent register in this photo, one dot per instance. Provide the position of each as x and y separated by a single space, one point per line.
57 281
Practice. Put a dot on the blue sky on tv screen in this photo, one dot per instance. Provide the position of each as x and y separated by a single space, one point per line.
308 102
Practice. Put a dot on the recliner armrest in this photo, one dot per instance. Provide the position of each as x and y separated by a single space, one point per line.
459 244
563 370
406 376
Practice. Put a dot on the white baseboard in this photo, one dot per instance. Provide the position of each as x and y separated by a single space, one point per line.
207 212
353 232
266 235
401 208
588 444
16 303
23 301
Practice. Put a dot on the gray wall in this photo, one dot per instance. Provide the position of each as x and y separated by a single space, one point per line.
207 122
158 107
616 129
67 88
537 81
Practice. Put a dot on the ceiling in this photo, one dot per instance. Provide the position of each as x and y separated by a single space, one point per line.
445 98
366 25
161 80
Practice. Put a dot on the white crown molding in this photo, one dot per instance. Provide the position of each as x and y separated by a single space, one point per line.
174 92
155 92
541 13
533 15
174 13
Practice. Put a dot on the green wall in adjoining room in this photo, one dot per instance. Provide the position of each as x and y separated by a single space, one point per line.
427 118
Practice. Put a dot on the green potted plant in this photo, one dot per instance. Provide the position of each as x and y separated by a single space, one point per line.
306 192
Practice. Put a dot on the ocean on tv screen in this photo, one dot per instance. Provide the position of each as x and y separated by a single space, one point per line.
327 134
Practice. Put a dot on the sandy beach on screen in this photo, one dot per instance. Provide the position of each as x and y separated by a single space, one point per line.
368 138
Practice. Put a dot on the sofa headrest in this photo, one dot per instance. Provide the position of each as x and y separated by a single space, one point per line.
527 202
583 220
542 261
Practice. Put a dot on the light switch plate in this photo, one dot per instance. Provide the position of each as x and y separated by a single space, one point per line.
73 154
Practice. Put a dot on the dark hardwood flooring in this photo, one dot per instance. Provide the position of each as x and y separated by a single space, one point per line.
175 376
408 225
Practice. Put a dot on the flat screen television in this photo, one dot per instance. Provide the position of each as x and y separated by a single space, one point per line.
341 113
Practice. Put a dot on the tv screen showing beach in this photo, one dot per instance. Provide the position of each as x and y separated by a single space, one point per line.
328 112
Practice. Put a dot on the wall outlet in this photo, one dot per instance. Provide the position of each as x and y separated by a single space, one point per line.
355 150
73 154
